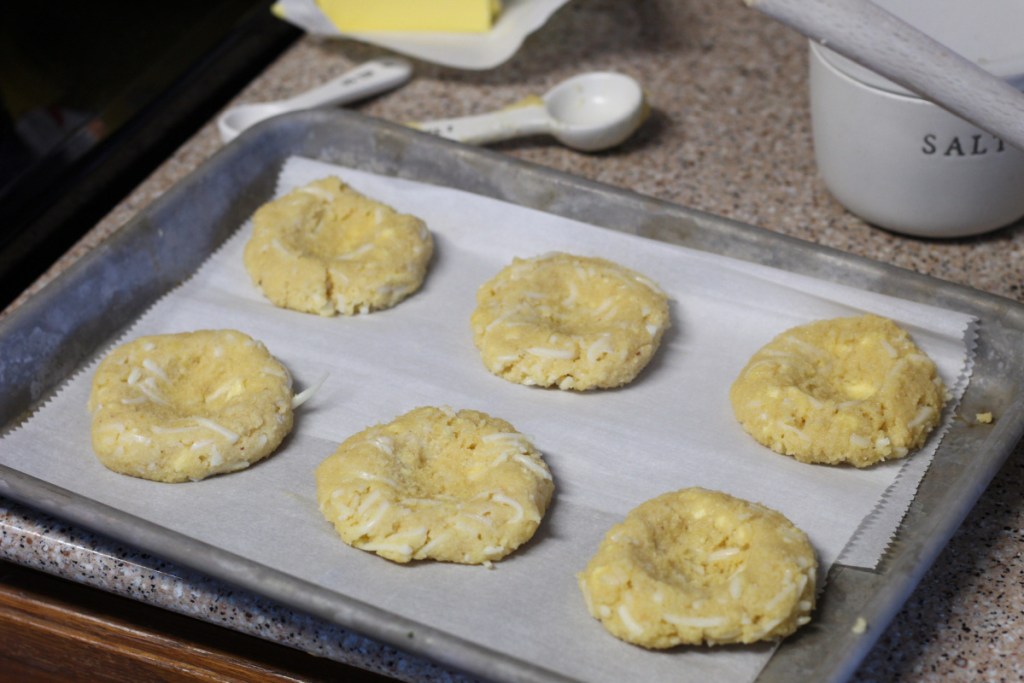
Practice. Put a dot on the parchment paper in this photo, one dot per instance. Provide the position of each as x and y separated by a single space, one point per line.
609 450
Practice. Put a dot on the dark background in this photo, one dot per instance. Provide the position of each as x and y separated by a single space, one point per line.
93 96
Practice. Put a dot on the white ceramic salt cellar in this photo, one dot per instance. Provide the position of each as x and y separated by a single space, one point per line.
903 163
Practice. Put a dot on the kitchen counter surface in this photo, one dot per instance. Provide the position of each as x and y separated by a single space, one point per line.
729 134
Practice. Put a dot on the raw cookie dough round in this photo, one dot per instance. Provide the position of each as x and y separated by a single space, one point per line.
179 407
697 566
326 249
848 390
434 484
569 321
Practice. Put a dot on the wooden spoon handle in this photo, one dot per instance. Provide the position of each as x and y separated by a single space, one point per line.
884 43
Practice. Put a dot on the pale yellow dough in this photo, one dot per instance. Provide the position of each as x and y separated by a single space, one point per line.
567 321
849 390
697 566
180 407
326 249
434 484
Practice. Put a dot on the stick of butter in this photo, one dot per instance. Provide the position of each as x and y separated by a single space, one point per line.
442 16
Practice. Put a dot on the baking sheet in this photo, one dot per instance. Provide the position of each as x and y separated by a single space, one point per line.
467 656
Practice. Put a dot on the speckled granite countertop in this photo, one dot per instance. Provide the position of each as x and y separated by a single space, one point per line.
729 134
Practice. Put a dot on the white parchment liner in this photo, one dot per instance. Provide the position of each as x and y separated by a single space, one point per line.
609 450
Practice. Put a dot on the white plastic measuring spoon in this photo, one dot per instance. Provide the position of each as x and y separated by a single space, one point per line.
365 80
589 112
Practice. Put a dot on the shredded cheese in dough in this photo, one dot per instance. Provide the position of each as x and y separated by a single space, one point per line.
723 554
769 626
889 348
694 622
150 365
859 441
532 465
317 192
924 414
503 436
505 500
157 429
216 427
563 354
358 253
151 392
601 347
793 430
304 396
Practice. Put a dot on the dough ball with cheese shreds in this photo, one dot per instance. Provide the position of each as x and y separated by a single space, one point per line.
701 567
849 390
571 322
327 249
180 407
436 484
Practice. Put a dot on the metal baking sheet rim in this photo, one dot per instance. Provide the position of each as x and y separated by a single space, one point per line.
72 320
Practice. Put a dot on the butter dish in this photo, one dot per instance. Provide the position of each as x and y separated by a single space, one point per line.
473 51
440 16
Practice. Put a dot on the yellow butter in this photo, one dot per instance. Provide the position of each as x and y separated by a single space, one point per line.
443 16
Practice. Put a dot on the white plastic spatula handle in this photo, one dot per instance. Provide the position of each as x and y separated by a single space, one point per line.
367 79
889 46
363 81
